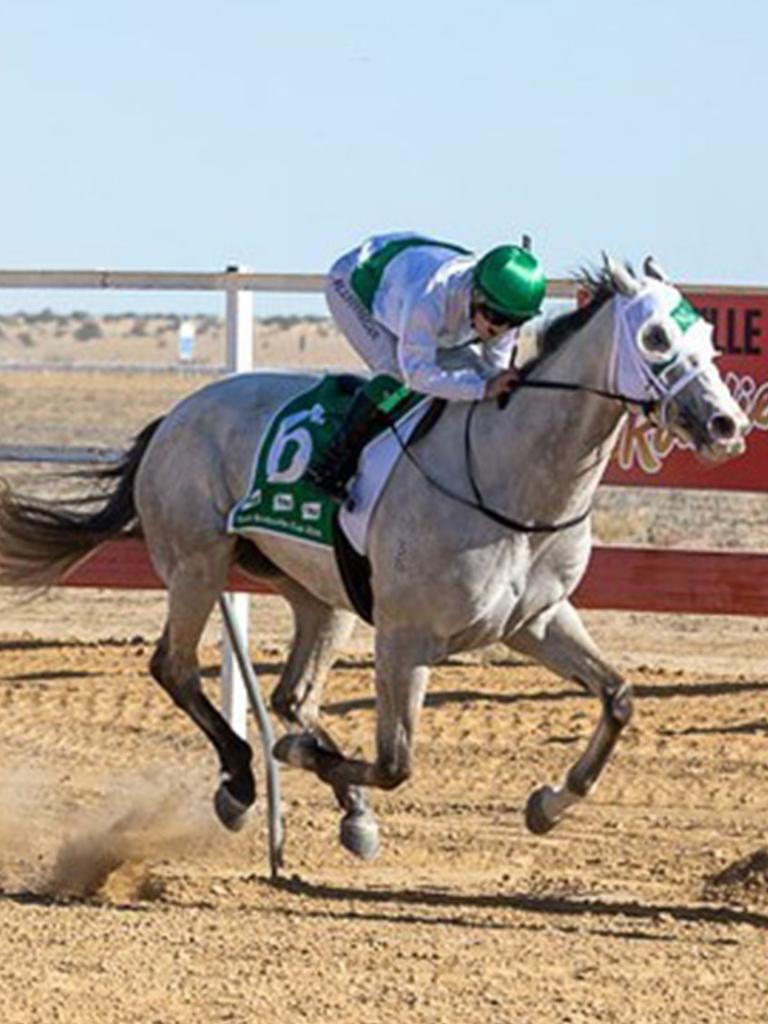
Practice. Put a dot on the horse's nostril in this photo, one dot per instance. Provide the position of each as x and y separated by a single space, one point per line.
722 427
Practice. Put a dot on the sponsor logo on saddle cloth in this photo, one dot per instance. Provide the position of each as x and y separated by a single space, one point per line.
279 501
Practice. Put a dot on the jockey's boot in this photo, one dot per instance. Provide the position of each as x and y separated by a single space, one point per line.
332 469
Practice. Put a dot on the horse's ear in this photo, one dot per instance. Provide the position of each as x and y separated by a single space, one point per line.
652 269
623 281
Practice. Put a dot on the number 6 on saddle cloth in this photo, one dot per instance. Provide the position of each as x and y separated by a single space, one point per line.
321 432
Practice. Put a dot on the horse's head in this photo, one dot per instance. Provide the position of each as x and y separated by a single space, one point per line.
664 358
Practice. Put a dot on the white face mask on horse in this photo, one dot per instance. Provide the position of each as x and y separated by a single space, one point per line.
663 345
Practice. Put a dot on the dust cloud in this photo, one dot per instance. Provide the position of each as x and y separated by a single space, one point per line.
107 850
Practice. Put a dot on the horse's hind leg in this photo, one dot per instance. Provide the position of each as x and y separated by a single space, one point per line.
402 672
319 633
193 588
561 643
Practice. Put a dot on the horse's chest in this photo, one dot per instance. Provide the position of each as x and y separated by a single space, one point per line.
489 606
476 605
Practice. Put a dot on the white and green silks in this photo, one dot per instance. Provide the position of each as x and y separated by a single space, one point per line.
419 324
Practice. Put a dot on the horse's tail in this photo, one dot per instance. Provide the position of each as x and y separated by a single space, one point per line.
40 540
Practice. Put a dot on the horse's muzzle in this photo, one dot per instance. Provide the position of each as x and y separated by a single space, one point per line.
724 437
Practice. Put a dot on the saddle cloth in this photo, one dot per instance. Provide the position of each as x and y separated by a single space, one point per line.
280 502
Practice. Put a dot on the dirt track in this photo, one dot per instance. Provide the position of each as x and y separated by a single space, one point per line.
463 917
105 790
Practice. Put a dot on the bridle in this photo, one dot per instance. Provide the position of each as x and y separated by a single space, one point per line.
657 408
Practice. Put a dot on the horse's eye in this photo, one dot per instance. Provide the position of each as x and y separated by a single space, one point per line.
655 342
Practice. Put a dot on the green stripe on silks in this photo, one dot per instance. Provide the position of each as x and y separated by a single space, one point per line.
366 277
279 500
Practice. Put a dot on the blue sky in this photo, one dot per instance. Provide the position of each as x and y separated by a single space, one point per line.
277 133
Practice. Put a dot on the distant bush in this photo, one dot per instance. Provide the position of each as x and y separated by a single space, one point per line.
139 328
203 324
44 316
284 322
26 339
87 331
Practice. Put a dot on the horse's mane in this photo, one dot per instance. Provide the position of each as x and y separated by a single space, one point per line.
600 287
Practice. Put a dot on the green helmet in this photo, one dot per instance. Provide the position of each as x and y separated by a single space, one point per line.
510 279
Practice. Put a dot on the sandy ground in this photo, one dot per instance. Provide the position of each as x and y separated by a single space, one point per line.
464 916
122 900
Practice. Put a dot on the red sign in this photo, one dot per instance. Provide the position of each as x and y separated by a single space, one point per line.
646 456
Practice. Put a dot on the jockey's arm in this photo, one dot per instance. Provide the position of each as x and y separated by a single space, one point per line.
498 354
417 352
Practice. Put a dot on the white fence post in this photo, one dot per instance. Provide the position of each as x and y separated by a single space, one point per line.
239 326
234 700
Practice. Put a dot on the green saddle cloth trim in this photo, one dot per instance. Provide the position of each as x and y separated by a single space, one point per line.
278 499
390 396
366 277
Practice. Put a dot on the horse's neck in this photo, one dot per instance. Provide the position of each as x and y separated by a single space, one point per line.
545 454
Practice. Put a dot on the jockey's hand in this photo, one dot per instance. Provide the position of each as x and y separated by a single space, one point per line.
502 384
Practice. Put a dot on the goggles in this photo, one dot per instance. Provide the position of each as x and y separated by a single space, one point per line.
497 317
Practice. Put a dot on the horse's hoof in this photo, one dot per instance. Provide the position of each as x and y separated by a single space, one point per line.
359 833
231 812
536 818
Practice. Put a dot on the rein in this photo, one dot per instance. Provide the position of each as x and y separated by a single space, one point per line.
499 517
479 503
665 390
562 385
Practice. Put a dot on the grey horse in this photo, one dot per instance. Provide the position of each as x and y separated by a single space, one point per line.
480 537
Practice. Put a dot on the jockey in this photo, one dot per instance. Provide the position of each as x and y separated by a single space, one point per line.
432 315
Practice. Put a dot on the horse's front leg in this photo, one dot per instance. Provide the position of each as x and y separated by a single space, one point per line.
562 644
402 674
